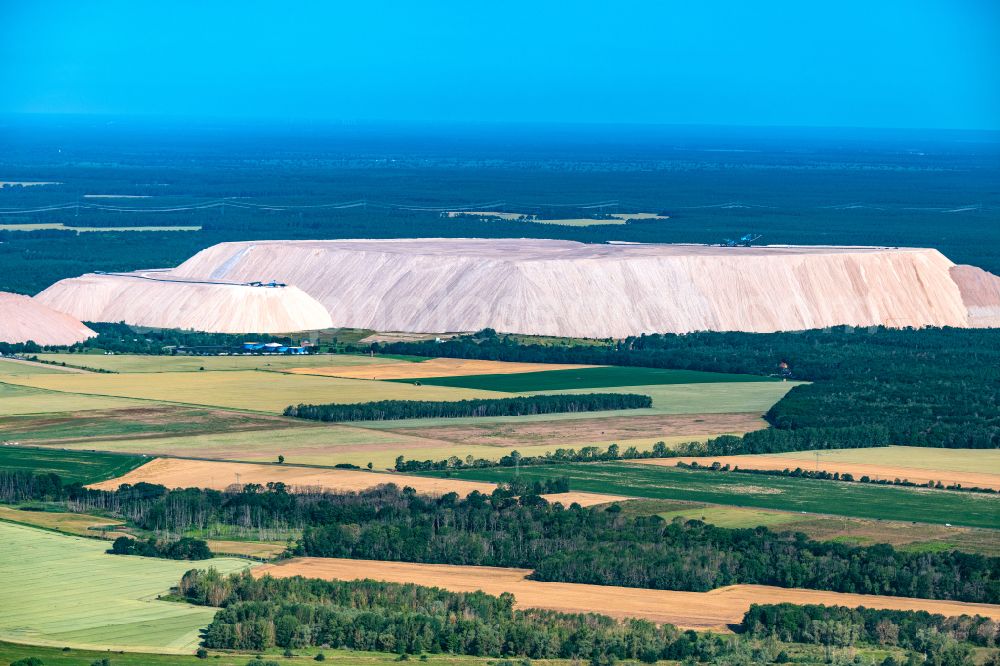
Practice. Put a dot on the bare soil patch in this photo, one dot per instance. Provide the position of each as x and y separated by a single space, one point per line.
857 469
435 367
689 610
585 499
572 432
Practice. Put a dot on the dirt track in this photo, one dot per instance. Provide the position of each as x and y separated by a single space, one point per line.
688 610
858 469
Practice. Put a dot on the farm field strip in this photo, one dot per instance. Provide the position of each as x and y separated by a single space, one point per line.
85 467
689 610
437 367
763 492
64 590
16 366
181 473
70 523
914 457
584 377
18 399
250 390
129 363
907 465
149 421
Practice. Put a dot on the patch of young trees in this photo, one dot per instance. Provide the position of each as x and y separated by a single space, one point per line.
943 640
385 410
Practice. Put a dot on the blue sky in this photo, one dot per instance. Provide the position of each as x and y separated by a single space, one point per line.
872 63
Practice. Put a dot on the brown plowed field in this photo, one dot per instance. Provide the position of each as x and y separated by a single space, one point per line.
574 432
689 610
914 471
435 367
181 473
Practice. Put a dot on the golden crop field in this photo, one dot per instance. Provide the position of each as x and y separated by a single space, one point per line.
689 610
182 473
250 390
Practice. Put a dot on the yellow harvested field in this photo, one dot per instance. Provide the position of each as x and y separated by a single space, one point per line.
182 363
435 367
688 610
181 473
969 467
251 390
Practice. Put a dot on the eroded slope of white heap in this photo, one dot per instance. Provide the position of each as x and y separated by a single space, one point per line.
560 288
24 319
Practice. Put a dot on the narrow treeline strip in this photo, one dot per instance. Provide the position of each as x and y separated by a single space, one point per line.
839 625
387 410
799 473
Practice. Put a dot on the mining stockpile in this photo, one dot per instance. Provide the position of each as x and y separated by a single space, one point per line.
23 319
155 298
545 287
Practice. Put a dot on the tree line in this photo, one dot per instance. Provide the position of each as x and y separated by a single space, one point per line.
936 387
185 548
386 410
514 528
823 475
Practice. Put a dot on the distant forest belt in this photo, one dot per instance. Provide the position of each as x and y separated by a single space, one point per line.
688 610
857 469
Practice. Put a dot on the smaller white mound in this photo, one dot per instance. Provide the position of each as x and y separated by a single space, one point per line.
146 300
24 319
981 294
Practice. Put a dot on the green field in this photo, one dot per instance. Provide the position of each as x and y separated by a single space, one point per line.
13 368
65 591
147 363
302 657
248 389
15 399
986 461
763 492
82 466
583 378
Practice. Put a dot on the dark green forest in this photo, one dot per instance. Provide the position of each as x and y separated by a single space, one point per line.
870 387
792 186
387 410
574 544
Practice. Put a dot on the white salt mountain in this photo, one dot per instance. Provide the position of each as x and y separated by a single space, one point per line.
23 319
559 288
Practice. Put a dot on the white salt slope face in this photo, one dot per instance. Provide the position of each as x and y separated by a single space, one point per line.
564 288
156 302
22 318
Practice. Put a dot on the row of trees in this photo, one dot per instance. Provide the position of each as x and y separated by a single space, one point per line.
871 387
184 548
823 475
513 527
386 410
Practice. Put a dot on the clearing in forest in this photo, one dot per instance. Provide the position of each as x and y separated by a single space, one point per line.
66 591
689 610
